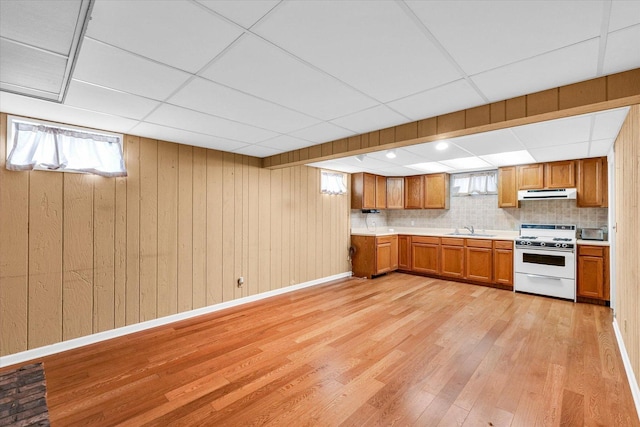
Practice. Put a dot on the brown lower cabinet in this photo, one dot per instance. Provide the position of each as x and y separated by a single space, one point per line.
404 253
503 262
374 255
479 260
452 257
593 272
425 254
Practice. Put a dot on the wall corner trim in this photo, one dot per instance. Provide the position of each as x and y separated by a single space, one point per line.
60 347
633 383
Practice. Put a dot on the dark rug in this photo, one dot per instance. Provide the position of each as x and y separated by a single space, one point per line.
23 397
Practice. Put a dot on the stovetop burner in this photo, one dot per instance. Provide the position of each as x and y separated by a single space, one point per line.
562 239
527 237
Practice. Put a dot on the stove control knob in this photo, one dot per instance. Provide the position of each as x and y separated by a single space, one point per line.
529 243
564 245
543 244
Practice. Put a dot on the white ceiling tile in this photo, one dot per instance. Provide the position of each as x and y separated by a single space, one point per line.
608 123
375 118
563 66
482 35
258 151
466 163
561 152
429 153
600 147
623 50
322 132
429 167
45 24
624 13
510 158
497 141
31 68
284 80
178 33
555 132
445 99
181 118
45 110
103 100
403 156
208 97
336 166
367 163
245 13
388 56
399 171
164 133
285 143
108 66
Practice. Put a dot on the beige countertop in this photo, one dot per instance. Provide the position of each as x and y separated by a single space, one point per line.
436 232
593 242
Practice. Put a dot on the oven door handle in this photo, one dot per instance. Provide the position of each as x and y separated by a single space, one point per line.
538 276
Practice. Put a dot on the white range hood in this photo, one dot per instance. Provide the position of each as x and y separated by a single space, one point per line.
549 194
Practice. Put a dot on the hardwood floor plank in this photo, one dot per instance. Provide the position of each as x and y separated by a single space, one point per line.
396 350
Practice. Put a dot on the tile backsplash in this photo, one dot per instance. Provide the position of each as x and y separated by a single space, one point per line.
483 213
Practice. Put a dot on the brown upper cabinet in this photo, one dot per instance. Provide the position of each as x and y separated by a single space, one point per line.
395 192
436 191
507 187
560 174
365 193
381 192
531 177
592 182
413 192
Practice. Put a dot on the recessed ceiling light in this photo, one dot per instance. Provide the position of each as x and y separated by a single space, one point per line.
391 154
442 145
433 167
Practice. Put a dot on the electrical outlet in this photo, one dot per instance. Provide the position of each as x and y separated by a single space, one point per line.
240 281
413 223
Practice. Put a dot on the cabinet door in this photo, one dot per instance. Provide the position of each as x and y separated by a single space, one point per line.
363 191
383 257
413 192
424 258
503 266
592 182
394 253
381 192
591 277
531 177
395 193
507 187
436 191
479 260
452 261
404 253
560 174
363 263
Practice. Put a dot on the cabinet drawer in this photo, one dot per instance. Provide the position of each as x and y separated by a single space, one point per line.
479 243
385 239
452 241
425 239
503 244
591 250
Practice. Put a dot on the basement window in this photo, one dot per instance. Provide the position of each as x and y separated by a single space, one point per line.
35 144
333 182
475 183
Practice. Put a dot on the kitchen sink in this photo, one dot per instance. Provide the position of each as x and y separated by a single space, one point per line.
471 235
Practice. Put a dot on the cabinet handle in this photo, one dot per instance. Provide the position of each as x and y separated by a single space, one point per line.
538 276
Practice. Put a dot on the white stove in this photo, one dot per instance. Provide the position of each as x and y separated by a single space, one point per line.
545 261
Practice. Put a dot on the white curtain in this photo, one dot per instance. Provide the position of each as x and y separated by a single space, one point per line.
475 183
47 147
332 183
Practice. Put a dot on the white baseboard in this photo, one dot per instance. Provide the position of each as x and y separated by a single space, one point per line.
39 352
633 383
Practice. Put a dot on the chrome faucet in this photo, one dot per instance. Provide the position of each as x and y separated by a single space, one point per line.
471 229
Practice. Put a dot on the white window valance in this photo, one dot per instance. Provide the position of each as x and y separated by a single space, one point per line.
467 184
333 182
36 145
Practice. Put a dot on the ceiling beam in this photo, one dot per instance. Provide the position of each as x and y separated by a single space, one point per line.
602 93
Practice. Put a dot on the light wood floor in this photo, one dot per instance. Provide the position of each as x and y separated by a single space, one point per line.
400 349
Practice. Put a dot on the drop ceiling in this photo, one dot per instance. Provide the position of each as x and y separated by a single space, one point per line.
264 77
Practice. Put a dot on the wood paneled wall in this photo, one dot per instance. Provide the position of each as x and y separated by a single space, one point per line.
627 184
81 254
